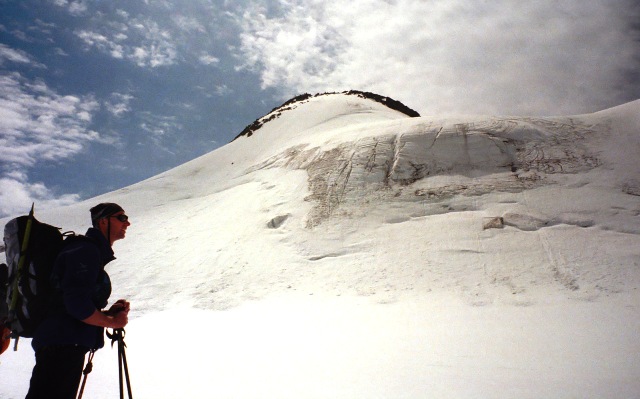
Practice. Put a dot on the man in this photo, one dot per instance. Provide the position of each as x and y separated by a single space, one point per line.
75 323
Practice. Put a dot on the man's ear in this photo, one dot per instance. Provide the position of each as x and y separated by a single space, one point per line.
102 223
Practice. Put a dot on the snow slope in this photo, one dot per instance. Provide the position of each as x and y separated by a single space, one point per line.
347 250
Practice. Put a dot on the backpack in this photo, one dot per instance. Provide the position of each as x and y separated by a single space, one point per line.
31 248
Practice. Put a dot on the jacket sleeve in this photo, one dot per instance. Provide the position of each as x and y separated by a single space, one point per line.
81 269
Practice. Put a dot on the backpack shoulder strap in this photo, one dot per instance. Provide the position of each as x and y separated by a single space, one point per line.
71 237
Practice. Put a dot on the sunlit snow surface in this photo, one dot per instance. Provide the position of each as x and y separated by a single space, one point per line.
345 250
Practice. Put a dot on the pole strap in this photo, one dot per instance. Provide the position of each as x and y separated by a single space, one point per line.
88 368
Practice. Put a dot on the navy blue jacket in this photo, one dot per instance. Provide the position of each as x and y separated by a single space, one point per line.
81 286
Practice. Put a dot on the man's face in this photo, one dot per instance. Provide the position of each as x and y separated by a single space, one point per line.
118 227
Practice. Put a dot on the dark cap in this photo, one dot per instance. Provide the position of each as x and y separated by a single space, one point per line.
104 210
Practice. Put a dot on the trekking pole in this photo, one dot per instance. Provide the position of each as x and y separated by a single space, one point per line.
118 336
86 371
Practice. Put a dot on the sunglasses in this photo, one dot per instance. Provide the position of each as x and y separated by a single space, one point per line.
121 218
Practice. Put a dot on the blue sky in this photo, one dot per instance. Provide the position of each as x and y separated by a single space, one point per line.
96 95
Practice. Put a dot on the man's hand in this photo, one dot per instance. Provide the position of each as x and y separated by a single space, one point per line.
116 317
120 319
121 305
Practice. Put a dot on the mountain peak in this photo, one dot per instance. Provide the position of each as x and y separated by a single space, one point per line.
301 99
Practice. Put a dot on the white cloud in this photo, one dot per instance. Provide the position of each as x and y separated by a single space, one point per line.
159 126
207 59
94 39
61 52
16 196
140 54
223 90
143 42
155 48
189 24
12 55
43 26
447 56
38 124
77 8
103 43
159 35
119 104
161 56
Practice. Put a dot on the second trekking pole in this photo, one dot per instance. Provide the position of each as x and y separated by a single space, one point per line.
118 336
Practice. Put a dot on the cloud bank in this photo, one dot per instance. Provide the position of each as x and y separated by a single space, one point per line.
451 56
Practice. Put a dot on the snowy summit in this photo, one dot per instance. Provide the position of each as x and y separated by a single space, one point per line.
343 246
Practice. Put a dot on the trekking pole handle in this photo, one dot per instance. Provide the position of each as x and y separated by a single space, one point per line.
117 336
